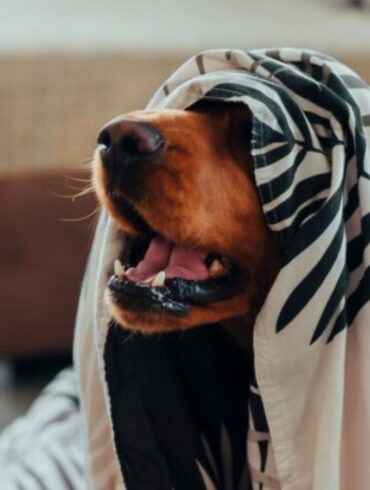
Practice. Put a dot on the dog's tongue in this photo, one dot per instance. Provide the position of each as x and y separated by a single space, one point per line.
175 260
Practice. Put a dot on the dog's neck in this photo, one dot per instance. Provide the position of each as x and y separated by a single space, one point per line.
241 331
241 328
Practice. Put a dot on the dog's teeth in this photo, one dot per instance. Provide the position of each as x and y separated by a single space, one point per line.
118 268
159 279
216 266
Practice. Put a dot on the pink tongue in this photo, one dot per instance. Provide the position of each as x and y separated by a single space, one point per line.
175 260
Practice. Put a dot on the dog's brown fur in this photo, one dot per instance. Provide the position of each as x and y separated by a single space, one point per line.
200 192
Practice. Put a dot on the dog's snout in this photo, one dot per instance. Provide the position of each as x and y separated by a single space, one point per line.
127 141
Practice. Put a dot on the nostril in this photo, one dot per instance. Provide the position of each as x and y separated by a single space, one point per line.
129 145
104 138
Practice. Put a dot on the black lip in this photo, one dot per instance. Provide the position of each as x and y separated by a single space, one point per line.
133 296
177 295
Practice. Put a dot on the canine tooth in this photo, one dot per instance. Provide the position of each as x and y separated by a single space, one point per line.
118 268
216 266
159 279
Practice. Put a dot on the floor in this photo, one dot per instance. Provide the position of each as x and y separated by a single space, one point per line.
21 382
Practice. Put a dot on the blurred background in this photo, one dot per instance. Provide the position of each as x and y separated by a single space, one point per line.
66 67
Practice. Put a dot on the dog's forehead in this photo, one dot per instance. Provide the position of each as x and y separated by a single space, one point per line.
200 121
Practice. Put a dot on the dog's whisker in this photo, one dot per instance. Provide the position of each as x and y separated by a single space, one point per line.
83 192
83 179
83 189
80 219
83 165
77 179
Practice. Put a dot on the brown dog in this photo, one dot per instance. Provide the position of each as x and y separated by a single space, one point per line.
180 183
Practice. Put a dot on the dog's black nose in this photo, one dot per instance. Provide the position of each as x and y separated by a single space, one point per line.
127 141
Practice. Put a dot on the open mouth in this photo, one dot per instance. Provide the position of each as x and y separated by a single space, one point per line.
156 274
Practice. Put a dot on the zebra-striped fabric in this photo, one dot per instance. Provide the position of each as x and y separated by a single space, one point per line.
44 450
310 144
309 399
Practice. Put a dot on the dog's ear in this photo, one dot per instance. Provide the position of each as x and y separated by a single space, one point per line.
240 128
239 122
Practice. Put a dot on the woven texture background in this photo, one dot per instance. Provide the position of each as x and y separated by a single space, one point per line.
52 105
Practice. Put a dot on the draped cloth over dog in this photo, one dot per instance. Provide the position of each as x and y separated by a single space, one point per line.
309 407
304 411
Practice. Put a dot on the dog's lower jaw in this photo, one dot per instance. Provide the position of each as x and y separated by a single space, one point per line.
236 315
157 322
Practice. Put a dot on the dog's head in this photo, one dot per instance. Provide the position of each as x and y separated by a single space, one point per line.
180 184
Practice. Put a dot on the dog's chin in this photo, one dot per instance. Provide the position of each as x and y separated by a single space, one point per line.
150 318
